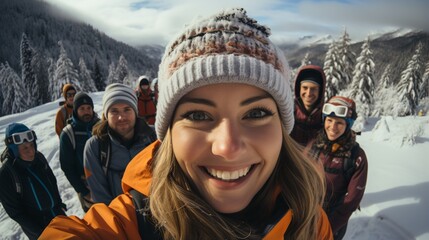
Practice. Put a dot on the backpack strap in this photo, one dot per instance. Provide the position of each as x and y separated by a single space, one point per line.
350 163
144 129
105 152
70 133
16 179
147 228
66 117
5 159
64 112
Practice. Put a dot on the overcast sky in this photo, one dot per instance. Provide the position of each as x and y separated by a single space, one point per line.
157 21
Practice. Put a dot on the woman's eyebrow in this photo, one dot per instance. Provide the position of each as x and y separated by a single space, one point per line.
254 99
212 104
197 101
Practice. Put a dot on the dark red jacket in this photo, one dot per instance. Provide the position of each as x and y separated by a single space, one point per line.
146 105
342 196
307 124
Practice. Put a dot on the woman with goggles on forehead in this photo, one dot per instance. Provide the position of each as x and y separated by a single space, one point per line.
28 189
344 162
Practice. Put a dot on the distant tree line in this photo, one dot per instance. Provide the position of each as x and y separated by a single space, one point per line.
41 78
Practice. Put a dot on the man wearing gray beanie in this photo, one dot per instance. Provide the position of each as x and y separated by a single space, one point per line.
116 139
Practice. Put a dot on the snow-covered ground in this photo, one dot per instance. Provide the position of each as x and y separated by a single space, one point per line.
395 205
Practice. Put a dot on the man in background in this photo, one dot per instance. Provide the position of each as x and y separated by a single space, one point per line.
309 99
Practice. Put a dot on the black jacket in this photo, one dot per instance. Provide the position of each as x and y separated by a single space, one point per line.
39 200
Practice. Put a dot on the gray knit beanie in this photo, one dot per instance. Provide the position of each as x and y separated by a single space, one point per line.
228 47
118 93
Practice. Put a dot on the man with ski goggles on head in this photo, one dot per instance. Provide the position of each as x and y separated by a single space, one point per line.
343 160
28 189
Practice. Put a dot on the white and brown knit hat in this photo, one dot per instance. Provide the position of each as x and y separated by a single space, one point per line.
228 47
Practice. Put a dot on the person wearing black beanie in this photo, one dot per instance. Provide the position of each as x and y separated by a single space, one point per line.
310 84
72 145
80 99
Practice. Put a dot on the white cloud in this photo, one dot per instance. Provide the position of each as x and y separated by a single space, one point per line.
156 22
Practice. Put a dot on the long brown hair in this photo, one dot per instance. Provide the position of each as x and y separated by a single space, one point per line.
181 213
100 129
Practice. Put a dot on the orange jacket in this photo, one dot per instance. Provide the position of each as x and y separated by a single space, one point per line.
60 119
119 220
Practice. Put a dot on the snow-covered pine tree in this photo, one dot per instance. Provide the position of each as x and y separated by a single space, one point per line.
386 78
98 77
385 91
332 71
27 73
424 87
64 72
112 77
51 76
408 86
40 67
305 61
122 71
347 57
87 83
14 92
363 81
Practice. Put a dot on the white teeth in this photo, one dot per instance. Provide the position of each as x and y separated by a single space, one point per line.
227 175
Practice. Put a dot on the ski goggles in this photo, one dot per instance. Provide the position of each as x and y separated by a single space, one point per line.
19 138
339 111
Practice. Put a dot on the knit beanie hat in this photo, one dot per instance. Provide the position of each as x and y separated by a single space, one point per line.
144 81
16 128
67 88
118 93
310 75
80 99
228 47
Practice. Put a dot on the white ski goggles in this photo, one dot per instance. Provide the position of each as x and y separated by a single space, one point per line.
339 111
19 138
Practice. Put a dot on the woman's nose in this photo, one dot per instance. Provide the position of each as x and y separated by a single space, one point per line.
227 140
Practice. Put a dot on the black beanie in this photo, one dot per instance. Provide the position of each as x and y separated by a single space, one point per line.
310 75
80 99
144 81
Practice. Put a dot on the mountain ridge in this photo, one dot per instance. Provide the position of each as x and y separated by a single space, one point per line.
45 25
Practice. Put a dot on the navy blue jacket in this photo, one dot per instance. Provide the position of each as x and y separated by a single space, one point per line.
72 159
39 201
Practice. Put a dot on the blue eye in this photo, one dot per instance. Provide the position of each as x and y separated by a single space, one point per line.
258 113
196 116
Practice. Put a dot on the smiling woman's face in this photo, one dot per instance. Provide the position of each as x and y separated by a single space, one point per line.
227 139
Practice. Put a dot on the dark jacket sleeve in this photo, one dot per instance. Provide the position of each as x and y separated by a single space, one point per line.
69 161
355 191
12 204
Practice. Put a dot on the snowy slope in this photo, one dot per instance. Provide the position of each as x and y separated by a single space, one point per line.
395 205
